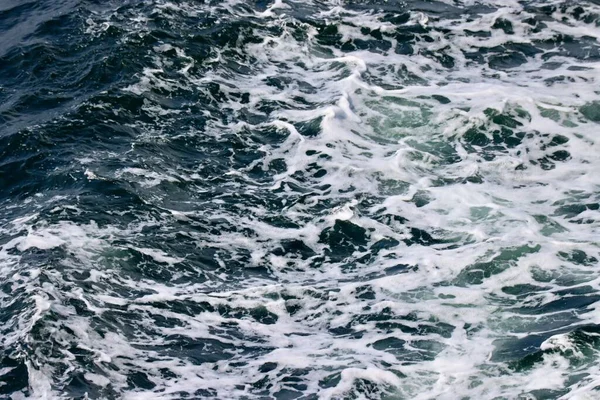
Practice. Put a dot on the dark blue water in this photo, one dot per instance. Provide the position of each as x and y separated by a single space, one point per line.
299 200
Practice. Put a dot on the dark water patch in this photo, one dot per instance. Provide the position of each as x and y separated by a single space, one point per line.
478 272
591 111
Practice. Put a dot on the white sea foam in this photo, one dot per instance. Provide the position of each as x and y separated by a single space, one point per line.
438 323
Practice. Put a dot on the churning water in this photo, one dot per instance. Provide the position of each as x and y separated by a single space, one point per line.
299 199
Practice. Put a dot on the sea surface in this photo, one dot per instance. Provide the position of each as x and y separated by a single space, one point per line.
300 199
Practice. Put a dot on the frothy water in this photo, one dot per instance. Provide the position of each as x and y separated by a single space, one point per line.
300 199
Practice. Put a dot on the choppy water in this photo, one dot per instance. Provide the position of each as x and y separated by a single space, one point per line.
299 199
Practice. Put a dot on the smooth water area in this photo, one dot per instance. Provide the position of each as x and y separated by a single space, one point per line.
311 199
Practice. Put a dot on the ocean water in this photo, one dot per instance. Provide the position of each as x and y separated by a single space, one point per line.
300 199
